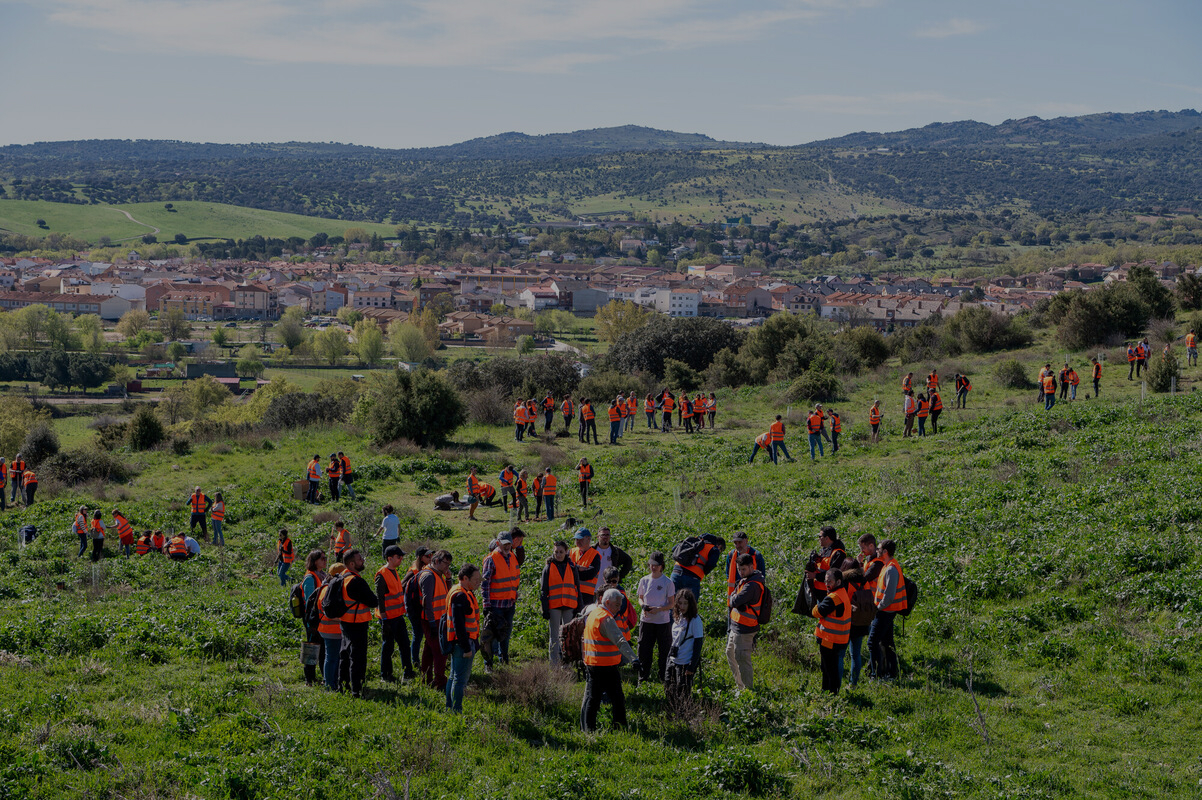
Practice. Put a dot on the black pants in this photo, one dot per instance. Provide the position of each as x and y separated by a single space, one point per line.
935 420
83 545
198 519
312 670
538 504
354 654
30 490
602 681
677 684
311 495
667 421
881 650
395 634
591 427
567 422
1064 390
334 489
831 658
547 417
415 650
584 493
688 424
97 549
1097 390
519 430
651 636
835 441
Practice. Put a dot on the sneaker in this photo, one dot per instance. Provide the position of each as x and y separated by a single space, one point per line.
488 669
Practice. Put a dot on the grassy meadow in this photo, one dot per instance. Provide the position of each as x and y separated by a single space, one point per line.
1054 652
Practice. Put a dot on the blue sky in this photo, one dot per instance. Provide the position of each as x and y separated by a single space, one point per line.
408 73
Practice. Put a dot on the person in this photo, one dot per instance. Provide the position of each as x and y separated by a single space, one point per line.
777 429
588 422
125 532
97 534
933 379
1048 385
1191 352
632 410
741 546
159 541
1132 363
334 473
17 474
1097 377
79 526
711 408
347 484
549 488
434 582
689 576
830 554
822 428
936 403
605 650
649 409
390 597
908 383
177 548
684 654
531 417
814 425
390 528
763 442
657 596
890 599
463 633
585 471
519 420
1064 381
507 478
860 574
686 412
626 615
315 575
355 621
192 545
285 556
313 474
29 481
411 589
340 540
962 389
3 482
1073 381
615 421
200 506
622 413
488 494
449 502
874 420
537 488
833 631
330 632
519 544
217 514
909 409
548 412
743 620
499 591
1142 351
668 404
522 492
588 566
568 409
922 412
559 596
473 493
699 411
836 429
612 555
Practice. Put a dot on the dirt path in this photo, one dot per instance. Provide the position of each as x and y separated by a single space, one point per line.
136 222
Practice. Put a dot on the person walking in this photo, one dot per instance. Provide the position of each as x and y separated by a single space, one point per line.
434 582
390 528
763 442
499 590
315 576
79 526
962 389
217 514
559 596
875 415
29 481
390 597
285 555
334 473
200 506
97 534
814 424
833 631
355 622
585 471
347 482
550 484
743 620
777 429
588 566
17 474
741 546
313 475
890 598
657 596
684 655
689 572
605 650
1097 377
330 632
125 532
463 633
508 478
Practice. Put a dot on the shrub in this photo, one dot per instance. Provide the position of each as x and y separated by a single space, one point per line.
488 406
85 464
1162 371
181 446
680 375
300 409
693 340
113 436
814 385
601 387
981 330
40 444
1010 374
145 430
421 406
533 685
728 369
868 344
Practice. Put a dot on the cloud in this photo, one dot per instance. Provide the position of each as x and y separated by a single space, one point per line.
950 27
522 35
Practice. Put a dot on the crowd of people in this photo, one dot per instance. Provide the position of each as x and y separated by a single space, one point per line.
89 526
23 479
692 414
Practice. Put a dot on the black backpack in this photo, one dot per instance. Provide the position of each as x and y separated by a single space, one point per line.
911 597
412 592
296 601
29 533
333 605
765 614
312 610
865 603
686 552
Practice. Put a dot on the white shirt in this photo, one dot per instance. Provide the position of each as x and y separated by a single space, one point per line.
192 544
390 526
606 562
656 592
684 639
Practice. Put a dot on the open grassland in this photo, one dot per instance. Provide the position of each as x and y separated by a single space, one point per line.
1054 652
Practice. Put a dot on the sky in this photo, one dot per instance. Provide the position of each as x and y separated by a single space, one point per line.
416 73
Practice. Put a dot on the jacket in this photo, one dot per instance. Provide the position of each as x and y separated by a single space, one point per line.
544 583
750 592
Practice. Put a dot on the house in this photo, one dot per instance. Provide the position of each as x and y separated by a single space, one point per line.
754 300
194 303
62 303
256 301
464 323
113 307
505 330
539 298
374 297
678 302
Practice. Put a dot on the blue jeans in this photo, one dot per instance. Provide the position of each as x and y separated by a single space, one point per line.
881 650
348 486
127 549
856 651
816 439
1049 400
284 573
461 670
419 631
777 449
329 669
1072 391
686 580
217 537
549 502
755 448
615 430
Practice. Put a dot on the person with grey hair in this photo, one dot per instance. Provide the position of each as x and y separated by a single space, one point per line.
605 650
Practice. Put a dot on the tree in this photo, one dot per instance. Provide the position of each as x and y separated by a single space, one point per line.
427 322
369 342
30 321
149 238
174 324
59 335
544 323
173 403
330 345
205 393
290 330
91 332
524 345
41 443
87 371
250 362
1155 294
220 337
619 317
407 342
420 406
356 236
499 310
693 340
349 316
680 375
52 368
1189 291
176 352
180 239
133 322
145 430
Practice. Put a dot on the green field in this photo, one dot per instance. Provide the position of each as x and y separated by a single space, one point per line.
196 220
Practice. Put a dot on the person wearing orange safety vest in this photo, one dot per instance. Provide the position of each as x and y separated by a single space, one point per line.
29 482
699 412
668 404
334 473
508 479
1191 349
588 566
285 555
922 412
315 575
936 404
830 555
97 534
1142 351
741 546
125 532
814 426
615 421
392 612
499 592
548 412
355 622
585 480
623 411
632 410
908 383
588 421
198 505
3 482
834 630
519 420
686 412
909 408
341 540
217 513
1048 385
649 409
711 408
875 415
690 568
559 596
1064 381
313 475
1132 361
79 526
890 599
568 409
933 380
1073 381
1097 376
473 493
963 387
177 548
763 442
463 633
347 484
531 416
605 650
777 429
744 604
330 632
550 490
17 474
159 541
836 429
434 581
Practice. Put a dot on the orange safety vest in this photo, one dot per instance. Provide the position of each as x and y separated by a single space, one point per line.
649 406
583 559
549 482
1073 379
217 512
342 540
198 502
80 525
159 540
98 526
521 487
519 414
686 409
440 596
471 621
355 611
473 485
836 423
748 616
29 478
814 422
615 413
178 547
586 411
732 572
632 404
1190 340
144 546
824 564
287 554
505 577
835 629
598 650
568 408
1097 372
936 402
924 409
394 597
312 473
548 403
669 404
777 429
562 589
586 473
1049 384
3 474
125 531
898 601
18 469
764 440
907 384
1130 353
334 469
486 491
346 467
932 381
702 557
874 415
325 626
507 476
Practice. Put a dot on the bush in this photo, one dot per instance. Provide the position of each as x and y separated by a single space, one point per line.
421 406
85 464
40 444
112 436
981 330
181 446
601 387
300 409
1010 374
488 406
1162 371
693 340
680 375
145 430
534 685
868 344
728 369
814 385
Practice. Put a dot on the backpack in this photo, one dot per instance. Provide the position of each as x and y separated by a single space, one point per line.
333 605
312 610
571 640
911 597
865 611
765 614
29 533
412 592
296 601
686 552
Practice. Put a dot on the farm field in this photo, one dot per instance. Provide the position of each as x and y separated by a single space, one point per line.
1054 651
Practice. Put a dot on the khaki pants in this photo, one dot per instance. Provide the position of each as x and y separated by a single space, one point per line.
738 655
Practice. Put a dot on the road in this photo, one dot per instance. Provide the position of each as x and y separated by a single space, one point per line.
136 222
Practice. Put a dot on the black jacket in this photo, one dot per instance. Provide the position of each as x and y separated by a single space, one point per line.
359 591
461 606
620 559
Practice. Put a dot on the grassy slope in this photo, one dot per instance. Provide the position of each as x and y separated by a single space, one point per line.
1059 550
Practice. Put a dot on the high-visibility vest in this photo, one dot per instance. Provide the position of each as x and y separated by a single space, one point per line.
924 408
346 467
470 620
615 413
334 469
507 476
486 491
313 474
586 473
686 408
287 553
537 485
29 478
505 577
632 404
1049 384
932 381
519 414
521 487
199 500
3 474
1097 371
325 626
1130 353
1073 380
18 469
144 546
158 540
394 597
355 611
440 596
342 540
178 547
898 601
702 557
125 531
217 512
936 402
874 415
473 485
562 589
836 423
1141 351
586 411
568 408
777 429
1191 340
649 406
732 572
669 404
835 629
549 482
598 650
748 616
824 564
764 440
586 559
80 525
98 528
814 422
907 384
548 403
